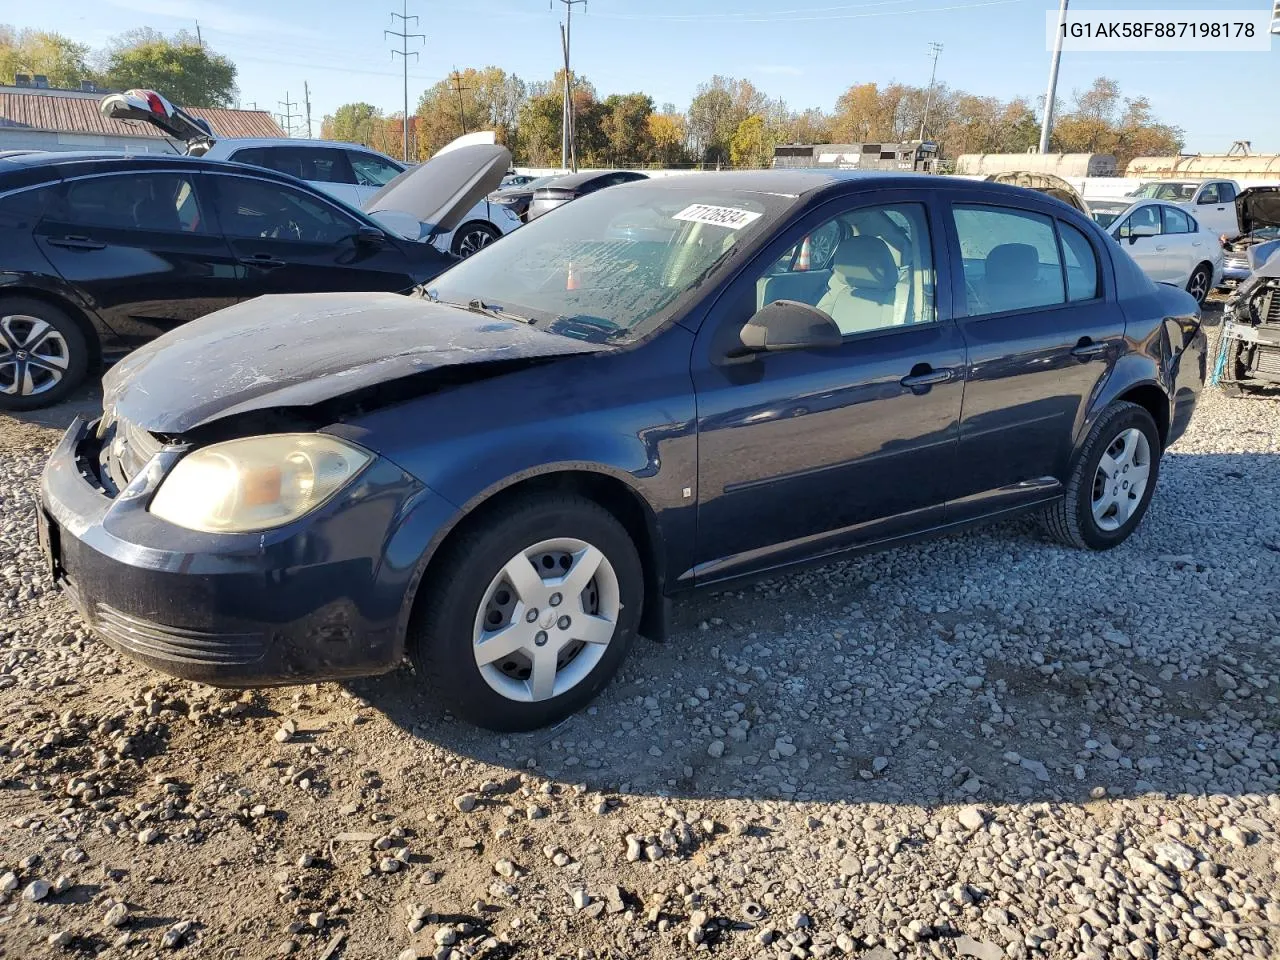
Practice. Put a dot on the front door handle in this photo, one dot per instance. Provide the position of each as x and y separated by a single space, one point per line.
76 242
1161 246
925 376
1087 349
1197 243
264 260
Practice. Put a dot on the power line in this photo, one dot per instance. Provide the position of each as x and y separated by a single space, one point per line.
568 144
935 48
404 52
288 115
455 79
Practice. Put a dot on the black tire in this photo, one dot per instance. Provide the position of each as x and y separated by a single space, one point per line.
75 354
441 635
1201 279
1070 520
470 237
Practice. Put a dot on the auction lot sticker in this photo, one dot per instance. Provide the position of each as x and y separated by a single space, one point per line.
729 217
1162 31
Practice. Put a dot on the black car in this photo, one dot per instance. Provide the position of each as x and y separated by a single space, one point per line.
517 197
669 385
561 190
100 253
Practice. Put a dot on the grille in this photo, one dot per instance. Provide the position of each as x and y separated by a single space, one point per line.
1267 361
1271 312
1236 261
146 639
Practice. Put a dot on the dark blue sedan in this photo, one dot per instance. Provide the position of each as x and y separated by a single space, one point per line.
668 385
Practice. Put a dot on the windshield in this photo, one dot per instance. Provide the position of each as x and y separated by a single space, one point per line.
1164 190
612 265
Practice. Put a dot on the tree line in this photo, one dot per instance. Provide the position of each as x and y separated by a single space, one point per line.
180 67
731 122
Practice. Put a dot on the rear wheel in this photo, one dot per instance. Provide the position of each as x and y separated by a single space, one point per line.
530 613
1111 482
471 237
43 354
1198 285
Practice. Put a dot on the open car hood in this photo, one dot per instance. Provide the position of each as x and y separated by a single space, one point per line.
147 106
1258 207
297 350
440 192
1047 183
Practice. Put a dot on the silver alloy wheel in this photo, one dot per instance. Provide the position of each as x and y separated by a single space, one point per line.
33 355
546 619
1121 479
1199 285
474 239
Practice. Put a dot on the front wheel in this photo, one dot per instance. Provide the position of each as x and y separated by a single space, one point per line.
530 613
43 354
472 237
1198 285
1111 482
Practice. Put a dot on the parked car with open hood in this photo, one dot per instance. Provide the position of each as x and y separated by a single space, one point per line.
561 190
666 385
1169 244
1249 347
353 173
101 252
1256 237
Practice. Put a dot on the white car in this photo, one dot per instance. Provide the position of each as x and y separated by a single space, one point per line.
1169 244
1211 202
352 173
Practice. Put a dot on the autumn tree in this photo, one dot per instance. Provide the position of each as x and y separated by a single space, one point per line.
625 125
667 134
179 67
751 144
541 123
1101 120
63 61
466 102
717 110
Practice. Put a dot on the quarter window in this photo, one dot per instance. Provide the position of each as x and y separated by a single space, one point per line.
156 202
1082 263
1010 259
1176 221
868 269
258 209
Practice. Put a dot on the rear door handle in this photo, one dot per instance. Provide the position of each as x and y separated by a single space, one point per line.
76 242
1086 349
264 260
928 378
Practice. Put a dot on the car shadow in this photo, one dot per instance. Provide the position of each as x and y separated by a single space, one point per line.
913 676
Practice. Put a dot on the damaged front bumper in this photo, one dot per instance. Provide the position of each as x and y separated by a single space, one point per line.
324 598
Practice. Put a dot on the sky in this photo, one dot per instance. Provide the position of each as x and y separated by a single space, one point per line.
808 53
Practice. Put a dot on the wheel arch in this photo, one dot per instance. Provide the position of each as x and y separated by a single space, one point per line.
592 482
78 313
1152 398
462 228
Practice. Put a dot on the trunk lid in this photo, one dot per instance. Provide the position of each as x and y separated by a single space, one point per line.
147 106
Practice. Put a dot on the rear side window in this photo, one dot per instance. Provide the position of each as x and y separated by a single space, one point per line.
1081 262
1010 259
1175 221
155 202
1227 192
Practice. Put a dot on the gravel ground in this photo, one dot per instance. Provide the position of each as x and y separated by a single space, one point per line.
981 746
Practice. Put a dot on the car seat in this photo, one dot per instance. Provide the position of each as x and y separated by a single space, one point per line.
862 291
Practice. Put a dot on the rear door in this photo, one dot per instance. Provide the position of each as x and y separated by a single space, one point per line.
1043 331
286 240
144 246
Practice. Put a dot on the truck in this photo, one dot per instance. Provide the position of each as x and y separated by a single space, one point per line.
1211 202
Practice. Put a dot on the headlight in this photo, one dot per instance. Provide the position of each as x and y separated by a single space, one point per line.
256 483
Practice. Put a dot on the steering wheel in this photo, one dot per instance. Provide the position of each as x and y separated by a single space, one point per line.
283 231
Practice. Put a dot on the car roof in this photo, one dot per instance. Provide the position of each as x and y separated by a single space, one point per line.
586 176
57 165
241 142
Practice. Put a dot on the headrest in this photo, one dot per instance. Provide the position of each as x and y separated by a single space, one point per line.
865 263
1012 263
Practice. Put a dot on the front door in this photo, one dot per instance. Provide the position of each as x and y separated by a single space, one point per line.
143 246
290 241
811 452
1042 331
1142 236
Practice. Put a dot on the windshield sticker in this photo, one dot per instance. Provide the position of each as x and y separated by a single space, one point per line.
729 217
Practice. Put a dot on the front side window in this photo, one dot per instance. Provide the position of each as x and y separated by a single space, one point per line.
317 164
1176 221
1144 220
1010 259
617 263
155 202
868 269
372 170
1210 194
259 209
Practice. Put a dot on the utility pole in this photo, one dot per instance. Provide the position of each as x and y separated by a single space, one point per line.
1046 127
568 145
935 49
456 80
287 115
404 52
199 38
306 99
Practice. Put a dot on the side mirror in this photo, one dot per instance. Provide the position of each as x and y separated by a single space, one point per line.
789 325
1137 233
368 236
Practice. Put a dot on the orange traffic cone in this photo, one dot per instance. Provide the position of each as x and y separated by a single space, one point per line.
570 281
802 261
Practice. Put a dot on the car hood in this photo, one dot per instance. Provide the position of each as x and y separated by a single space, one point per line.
441 191
297 350
147 106
1258 207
